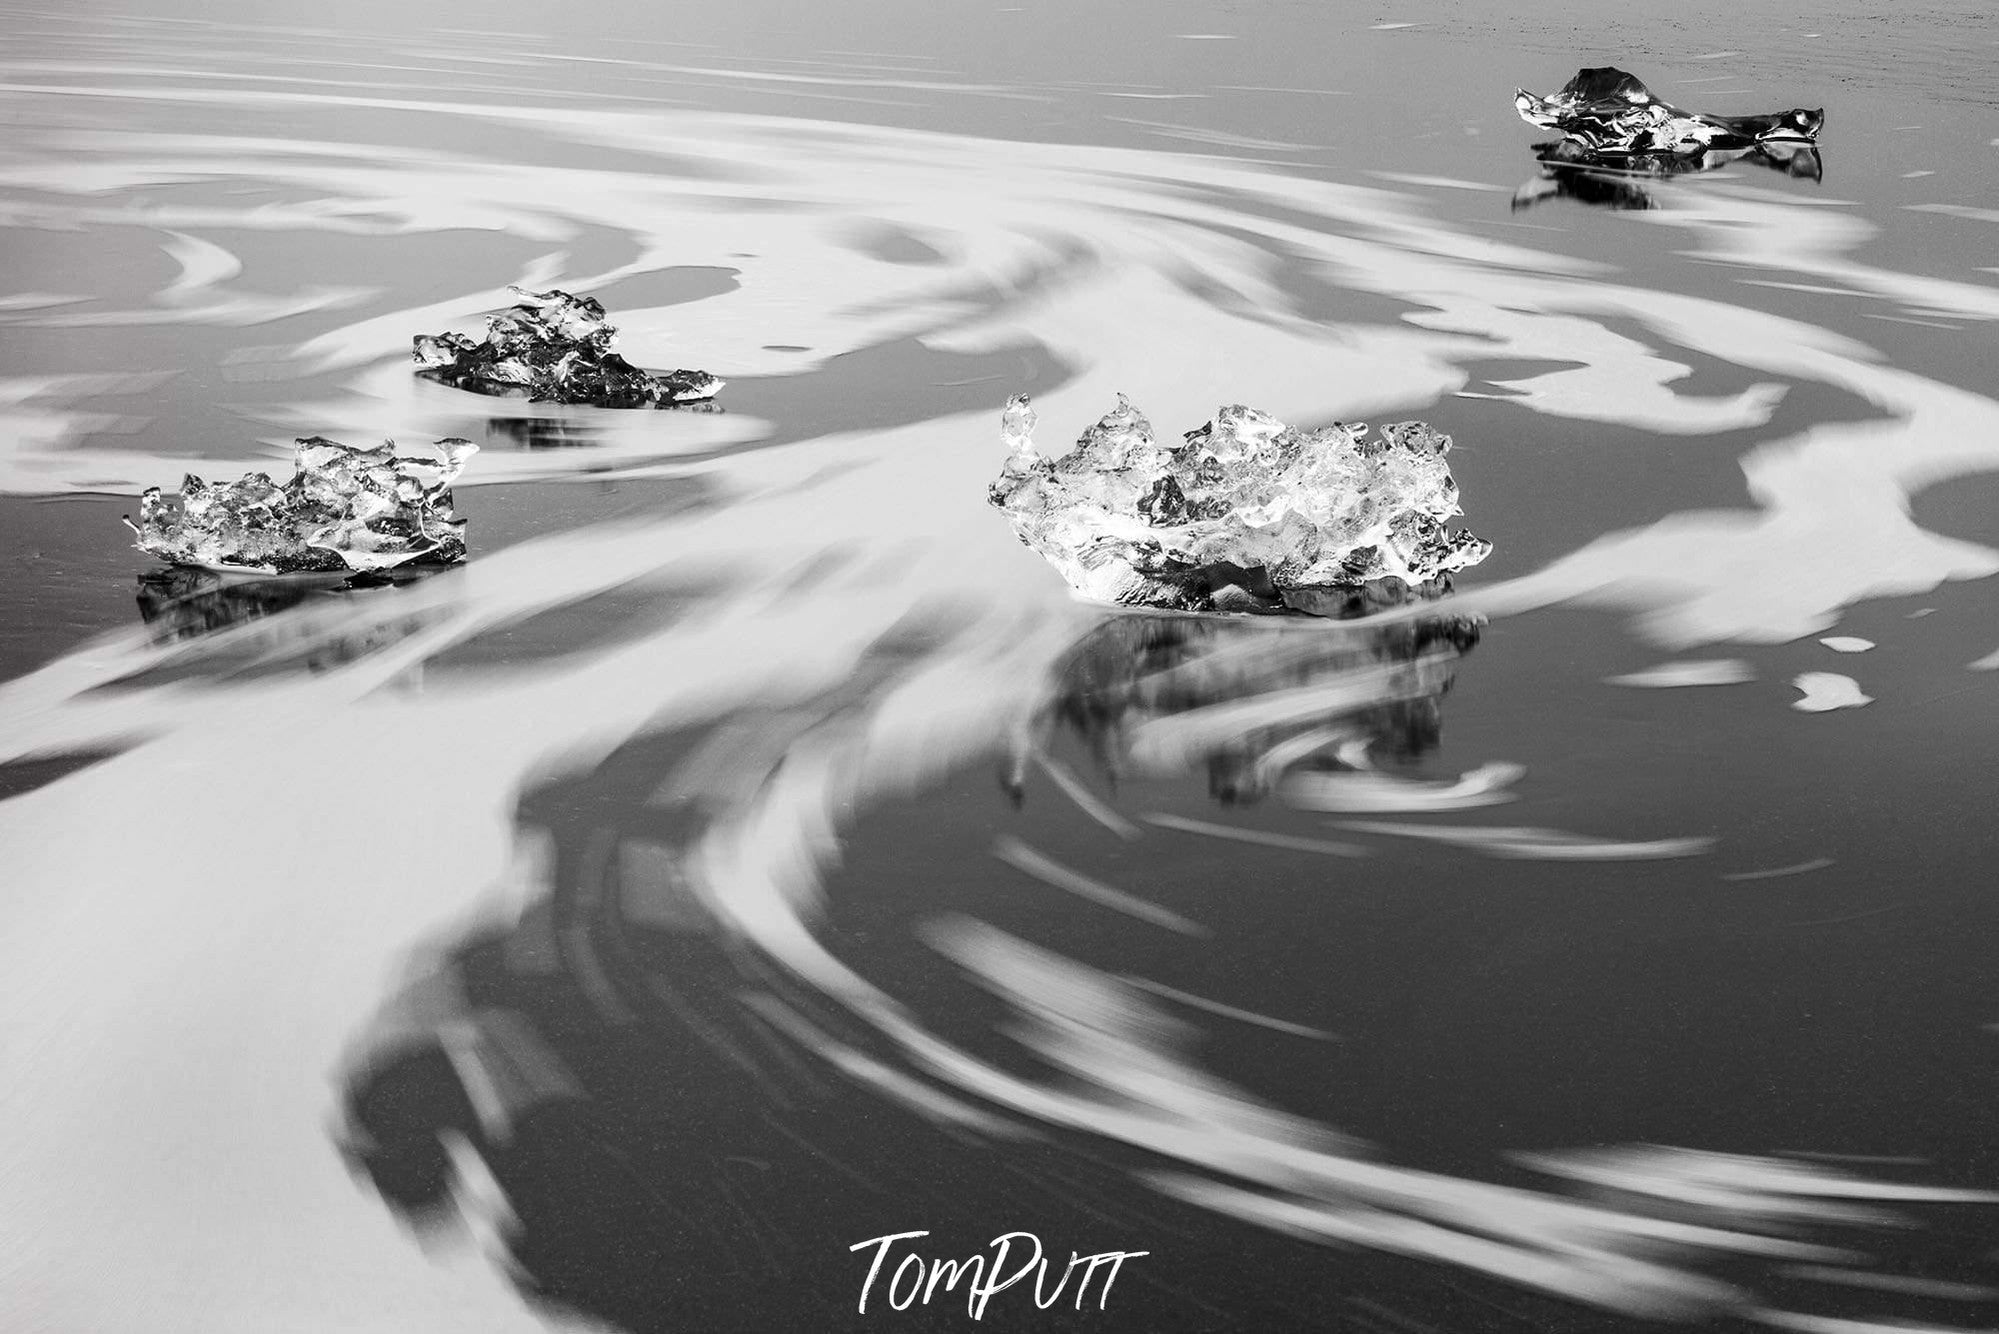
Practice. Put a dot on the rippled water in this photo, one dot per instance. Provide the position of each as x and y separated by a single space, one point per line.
753 850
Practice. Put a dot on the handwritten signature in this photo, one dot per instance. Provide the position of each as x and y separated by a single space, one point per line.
915 1279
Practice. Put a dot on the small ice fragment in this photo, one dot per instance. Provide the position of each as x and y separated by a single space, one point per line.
1847 643
1701 672
1828 690
1244 513
1606 112
558 348
1988 663
343 509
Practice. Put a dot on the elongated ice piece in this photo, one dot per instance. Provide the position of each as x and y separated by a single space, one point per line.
343 509
556 348
1609 113
1244 513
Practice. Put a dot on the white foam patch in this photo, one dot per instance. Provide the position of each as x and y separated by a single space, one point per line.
1825 691
1693 672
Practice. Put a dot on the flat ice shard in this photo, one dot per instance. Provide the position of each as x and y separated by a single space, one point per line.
343 509
1609 113
553 347
1245 513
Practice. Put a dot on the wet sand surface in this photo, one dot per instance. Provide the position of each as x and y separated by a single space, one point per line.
753 851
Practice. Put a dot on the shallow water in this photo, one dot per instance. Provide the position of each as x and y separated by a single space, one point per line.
753 850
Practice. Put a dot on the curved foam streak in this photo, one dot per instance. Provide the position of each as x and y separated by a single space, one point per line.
1033 862
1483 786
1537 844
1263 838
1751 226
203 264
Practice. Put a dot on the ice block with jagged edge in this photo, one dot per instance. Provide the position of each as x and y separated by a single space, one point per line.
1609 113
553 347
344 509
1244 513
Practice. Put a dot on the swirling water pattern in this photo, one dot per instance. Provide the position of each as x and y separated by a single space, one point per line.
827 625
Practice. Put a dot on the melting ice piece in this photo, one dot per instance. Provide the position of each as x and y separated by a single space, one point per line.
343 509
1609 113
1245 513
555 348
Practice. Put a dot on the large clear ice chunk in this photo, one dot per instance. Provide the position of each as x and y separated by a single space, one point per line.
344 509
1608 113
1245 513
553 347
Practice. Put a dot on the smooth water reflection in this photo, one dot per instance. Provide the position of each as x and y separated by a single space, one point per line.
1631 182
619 1016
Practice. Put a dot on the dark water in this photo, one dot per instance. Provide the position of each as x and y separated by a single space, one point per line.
753 851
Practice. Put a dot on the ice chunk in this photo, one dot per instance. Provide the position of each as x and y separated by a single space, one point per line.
1245 513
1609 113
343 509
554 348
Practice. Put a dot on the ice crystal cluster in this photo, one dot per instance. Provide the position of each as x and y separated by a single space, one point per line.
1244 513
553 347
1609 113
344 509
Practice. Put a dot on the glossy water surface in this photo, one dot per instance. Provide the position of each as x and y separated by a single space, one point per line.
753 851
